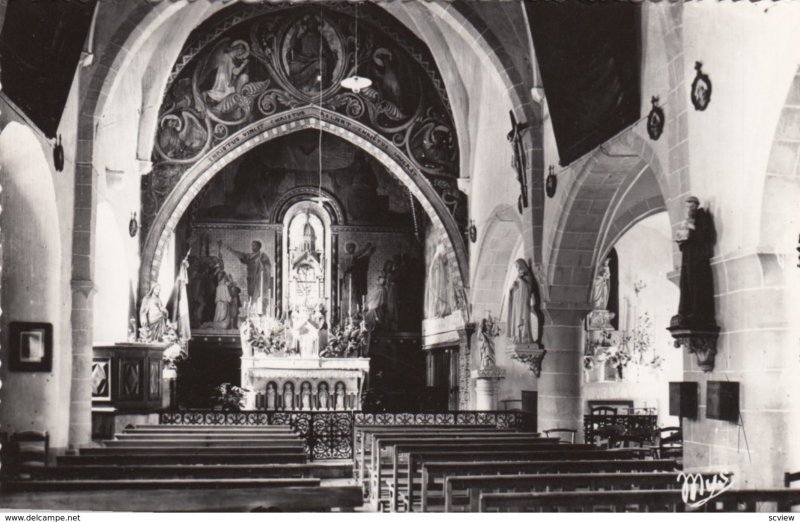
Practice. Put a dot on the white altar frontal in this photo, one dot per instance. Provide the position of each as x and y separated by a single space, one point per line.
305 384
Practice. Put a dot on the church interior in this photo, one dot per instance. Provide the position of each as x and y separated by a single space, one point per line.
409 256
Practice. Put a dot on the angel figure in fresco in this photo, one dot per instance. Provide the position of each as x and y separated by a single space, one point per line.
232 90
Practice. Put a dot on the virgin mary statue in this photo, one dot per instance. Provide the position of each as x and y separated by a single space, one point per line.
519 305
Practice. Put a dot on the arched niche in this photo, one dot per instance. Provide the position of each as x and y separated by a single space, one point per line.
197 176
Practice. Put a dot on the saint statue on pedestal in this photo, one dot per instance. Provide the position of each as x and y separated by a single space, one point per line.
486 334
602 287
152 316
696 239
519 305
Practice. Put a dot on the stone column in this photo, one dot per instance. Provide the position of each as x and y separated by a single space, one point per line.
80 410
561 382
757 297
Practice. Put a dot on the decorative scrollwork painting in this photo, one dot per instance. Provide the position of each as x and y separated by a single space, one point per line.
258 61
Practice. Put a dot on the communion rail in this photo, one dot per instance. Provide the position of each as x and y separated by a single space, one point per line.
329 434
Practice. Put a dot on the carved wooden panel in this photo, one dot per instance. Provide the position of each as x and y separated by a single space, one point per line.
130 379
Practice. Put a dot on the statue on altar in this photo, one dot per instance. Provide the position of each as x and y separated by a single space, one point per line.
259 277
339 396
288 395
323 397
305 396
272 396
152 316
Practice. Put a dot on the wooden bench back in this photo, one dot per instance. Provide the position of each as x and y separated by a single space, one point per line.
645 500
475 484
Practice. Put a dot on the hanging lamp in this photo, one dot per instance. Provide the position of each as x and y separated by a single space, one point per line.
356 83
320 199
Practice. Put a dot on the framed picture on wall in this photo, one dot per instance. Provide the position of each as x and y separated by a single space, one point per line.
31 346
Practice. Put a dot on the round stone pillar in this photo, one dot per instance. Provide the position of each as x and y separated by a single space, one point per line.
560 401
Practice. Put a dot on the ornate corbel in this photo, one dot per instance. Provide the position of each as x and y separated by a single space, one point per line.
702 343
530 355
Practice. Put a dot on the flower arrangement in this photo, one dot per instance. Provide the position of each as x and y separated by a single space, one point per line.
268 341
639 343
347 341
175 352
228 397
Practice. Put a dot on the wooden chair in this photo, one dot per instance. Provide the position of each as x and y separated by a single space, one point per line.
563 434
670 443
604 436
790 477
28 449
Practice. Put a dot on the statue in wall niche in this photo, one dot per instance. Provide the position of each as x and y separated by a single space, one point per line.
152 316
323 396
696 238
272 396
305 396
339 396
259 277
602 287
486 334
288 395
520 298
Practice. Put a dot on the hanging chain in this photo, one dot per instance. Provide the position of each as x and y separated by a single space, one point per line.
413 212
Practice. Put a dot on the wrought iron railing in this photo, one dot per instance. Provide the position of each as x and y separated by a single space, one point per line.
329 435
615 426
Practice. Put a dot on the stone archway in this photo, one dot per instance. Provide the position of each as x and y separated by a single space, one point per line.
194 179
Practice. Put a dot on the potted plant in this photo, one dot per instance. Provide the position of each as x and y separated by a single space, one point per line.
228 397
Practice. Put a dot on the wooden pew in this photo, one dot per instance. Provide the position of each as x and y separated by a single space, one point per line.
380 441
18 486
300 499
474 485
490 450
363 440
645 500
435 469
508 441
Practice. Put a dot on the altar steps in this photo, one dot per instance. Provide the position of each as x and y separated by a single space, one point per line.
168 428
256 444
321 469
140 484
205 436
175 457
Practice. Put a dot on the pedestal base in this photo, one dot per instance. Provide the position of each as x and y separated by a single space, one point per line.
701 342
486 387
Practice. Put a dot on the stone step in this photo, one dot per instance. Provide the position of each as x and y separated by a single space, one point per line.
135 484
173 457
203 443
134 435
199 450
322 469
207 428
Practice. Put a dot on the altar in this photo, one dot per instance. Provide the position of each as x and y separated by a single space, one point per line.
306 384
297 364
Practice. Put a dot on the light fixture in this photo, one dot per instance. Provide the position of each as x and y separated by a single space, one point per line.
133 225
355 83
